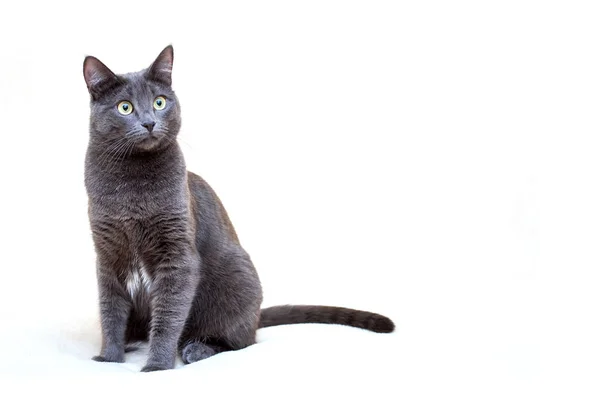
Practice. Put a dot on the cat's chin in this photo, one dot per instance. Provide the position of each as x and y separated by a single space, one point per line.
151 143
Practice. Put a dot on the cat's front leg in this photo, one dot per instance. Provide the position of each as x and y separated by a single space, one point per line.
173 287
115 306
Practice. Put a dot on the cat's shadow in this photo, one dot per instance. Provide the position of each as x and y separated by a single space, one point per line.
83 341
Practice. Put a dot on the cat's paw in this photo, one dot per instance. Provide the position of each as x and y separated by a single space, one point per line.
196 351
109 359
154 367
131 348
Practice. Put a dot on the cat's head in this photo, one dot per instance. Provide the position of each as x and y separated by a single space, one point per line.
138 110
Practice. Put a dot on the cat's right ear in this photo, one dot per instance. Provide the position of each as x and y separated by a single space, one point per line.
98 77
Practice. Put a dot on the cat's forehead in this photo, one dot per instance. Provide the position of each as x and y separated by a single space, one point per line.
139 86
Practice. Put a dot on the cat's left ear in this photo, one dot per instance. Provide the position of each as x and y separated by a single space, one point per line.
161 68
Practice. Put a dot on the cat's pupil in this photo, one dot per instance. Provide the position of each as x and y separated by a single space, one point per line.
125 107
159 103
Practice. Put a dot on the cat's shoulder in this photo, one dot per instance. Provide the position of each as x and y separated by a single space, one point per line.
196 183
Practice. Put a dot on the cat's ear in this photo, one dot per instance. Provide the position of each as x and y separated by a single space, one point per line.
161 68
98 77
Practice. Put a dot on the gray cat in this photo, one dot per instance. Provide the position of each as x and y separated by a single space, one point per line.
170 267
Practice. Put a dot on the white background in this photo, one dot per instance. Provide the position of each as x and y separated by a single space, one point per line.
433 161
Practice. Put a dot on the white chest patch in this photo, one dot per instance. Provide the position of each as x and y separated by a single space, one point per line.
138 280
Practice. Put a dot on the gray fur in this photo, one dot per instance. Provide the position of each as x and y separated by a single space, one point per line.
170 267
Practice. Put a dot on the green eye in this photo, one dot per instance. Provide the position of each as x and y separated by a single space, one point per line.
125 107
160 103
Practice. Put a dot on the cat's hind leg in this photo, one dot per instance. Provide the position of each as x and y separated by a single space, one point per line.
225 312
194 347
196 350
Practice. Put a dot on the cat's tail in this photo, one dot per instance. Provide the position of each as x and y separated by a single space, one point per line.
290 314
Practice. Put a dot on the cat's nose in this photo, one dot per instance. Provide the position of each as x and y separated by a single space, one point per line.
149 125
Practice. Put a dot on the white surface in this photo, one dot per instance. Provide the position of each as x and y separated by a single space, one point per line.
433 161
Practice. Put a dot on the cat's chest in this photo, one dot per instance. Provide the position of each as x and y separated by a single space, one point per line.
138 281
130 199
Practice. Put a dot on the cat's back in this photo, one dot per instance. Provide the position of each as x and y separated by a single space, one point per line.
213 223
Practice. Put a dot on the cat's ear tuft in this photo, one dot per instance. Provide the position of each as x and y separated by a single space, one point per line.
98 77
161 68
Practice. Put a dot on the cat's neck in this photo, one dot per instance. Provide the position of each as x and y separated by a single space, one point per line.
164 163
138 186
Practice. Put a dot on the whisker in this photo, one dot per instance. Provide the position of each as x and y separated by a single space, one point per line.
111 149
115 158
